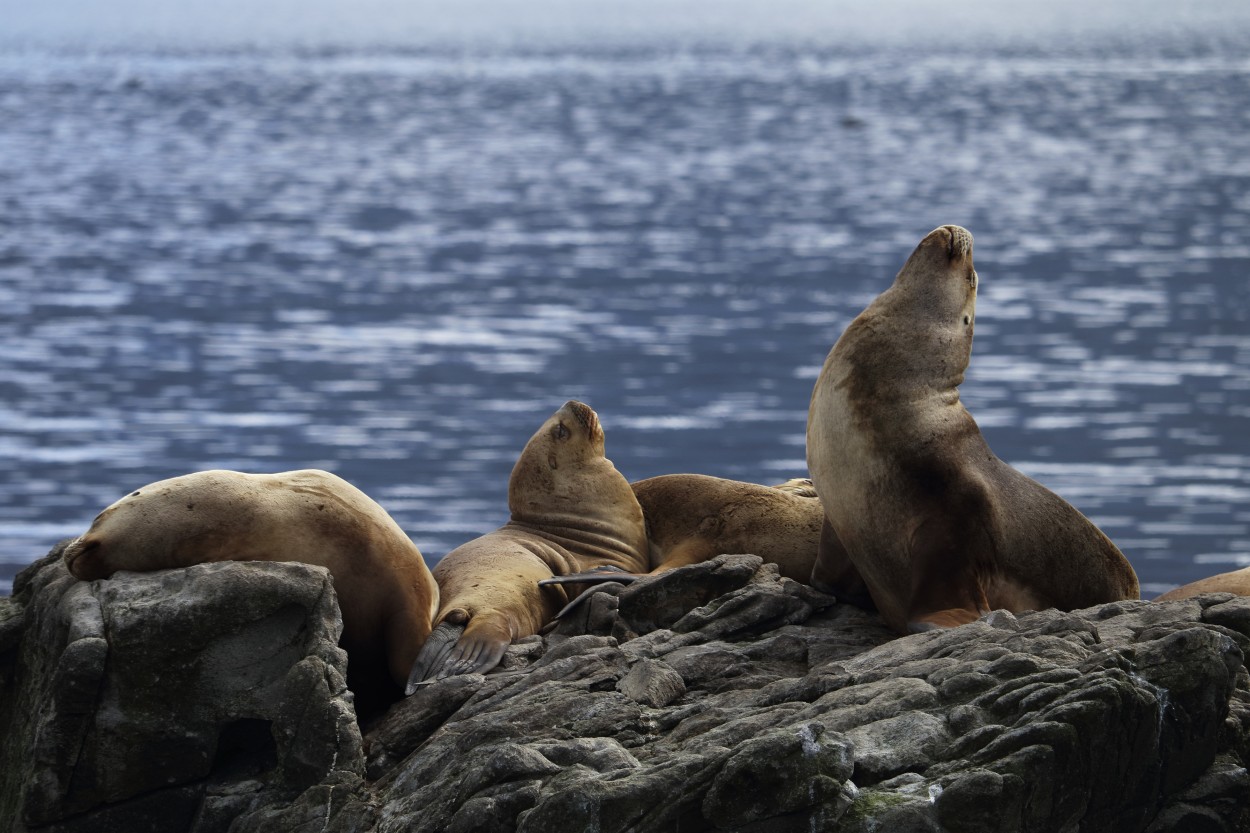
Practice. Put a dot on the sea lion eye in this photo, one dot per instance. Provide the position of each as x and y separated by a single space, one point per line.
560 432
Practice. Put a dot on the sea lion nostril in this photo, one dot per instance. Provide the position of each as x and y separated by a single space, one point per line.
583 413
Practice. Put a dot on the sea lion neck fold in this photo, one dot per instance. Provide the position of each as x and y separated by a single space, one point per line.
564 489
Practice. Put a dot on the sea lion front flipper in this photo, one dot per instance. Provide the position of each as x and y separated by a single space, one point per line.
434 654
948 574
835 573
476 652
463 643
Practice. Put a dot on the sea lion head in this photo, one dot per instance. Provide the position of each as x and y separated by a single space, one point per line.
563 458
169 523
562 478
938 283
85 559
918 333
117 540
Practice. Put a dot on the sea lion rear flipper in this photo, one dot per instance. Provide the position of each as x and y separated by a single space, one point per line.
577 602
603 574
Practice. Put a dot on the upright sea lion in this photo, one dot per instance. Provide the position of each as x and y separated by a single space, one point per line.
1238 581
939 528
571 510
385 590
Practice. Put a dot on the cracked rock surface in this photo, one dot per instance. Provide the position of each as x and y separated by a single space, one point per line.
173 700
715 697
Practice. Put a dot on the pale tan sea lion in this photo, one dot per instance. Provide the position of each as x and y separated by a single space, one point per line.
570 510
385 591
939 528
694 517
1237 581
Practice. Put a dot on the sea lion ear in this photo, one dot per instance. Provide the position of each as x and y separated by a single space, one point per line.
553 462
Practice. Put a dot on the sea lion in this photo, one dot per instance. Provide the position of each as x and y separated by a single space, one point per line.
570 510
385 591
939 528
1237 581
694 517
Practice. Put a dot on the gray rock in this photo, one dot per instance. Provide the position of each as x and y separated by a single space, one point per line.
799 769
177 695
653 683
714 697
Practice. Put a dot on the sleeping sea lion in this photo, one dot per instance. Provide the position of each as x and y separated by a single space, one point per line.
385 590
1237 581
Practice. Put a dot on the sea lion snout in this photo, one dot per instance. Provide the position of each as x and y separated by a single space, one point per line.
960 243
83 559
955 242
584 414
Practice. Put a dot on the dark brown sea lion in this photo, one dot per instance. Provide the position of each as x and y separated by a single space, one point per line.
939 528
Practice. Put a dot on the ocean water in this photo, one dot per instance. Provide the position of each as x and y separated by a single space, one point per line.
395 261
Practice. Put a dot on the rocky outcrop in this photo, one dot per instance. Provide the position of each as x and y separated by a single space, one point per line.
714 697
169 701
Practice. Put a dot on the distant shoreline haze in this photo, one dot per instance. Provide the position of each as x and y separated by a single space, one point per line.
957 26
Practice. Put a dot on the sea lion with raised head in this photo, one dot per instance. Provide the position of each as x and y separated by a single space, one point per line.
939 528
385 591
570 510
1238 581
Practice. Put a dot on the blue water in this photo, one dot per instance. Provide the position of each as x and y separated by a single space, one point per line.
395 263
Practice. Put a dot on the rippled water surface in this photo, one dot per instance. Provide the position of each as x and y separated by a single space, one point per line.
396 265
